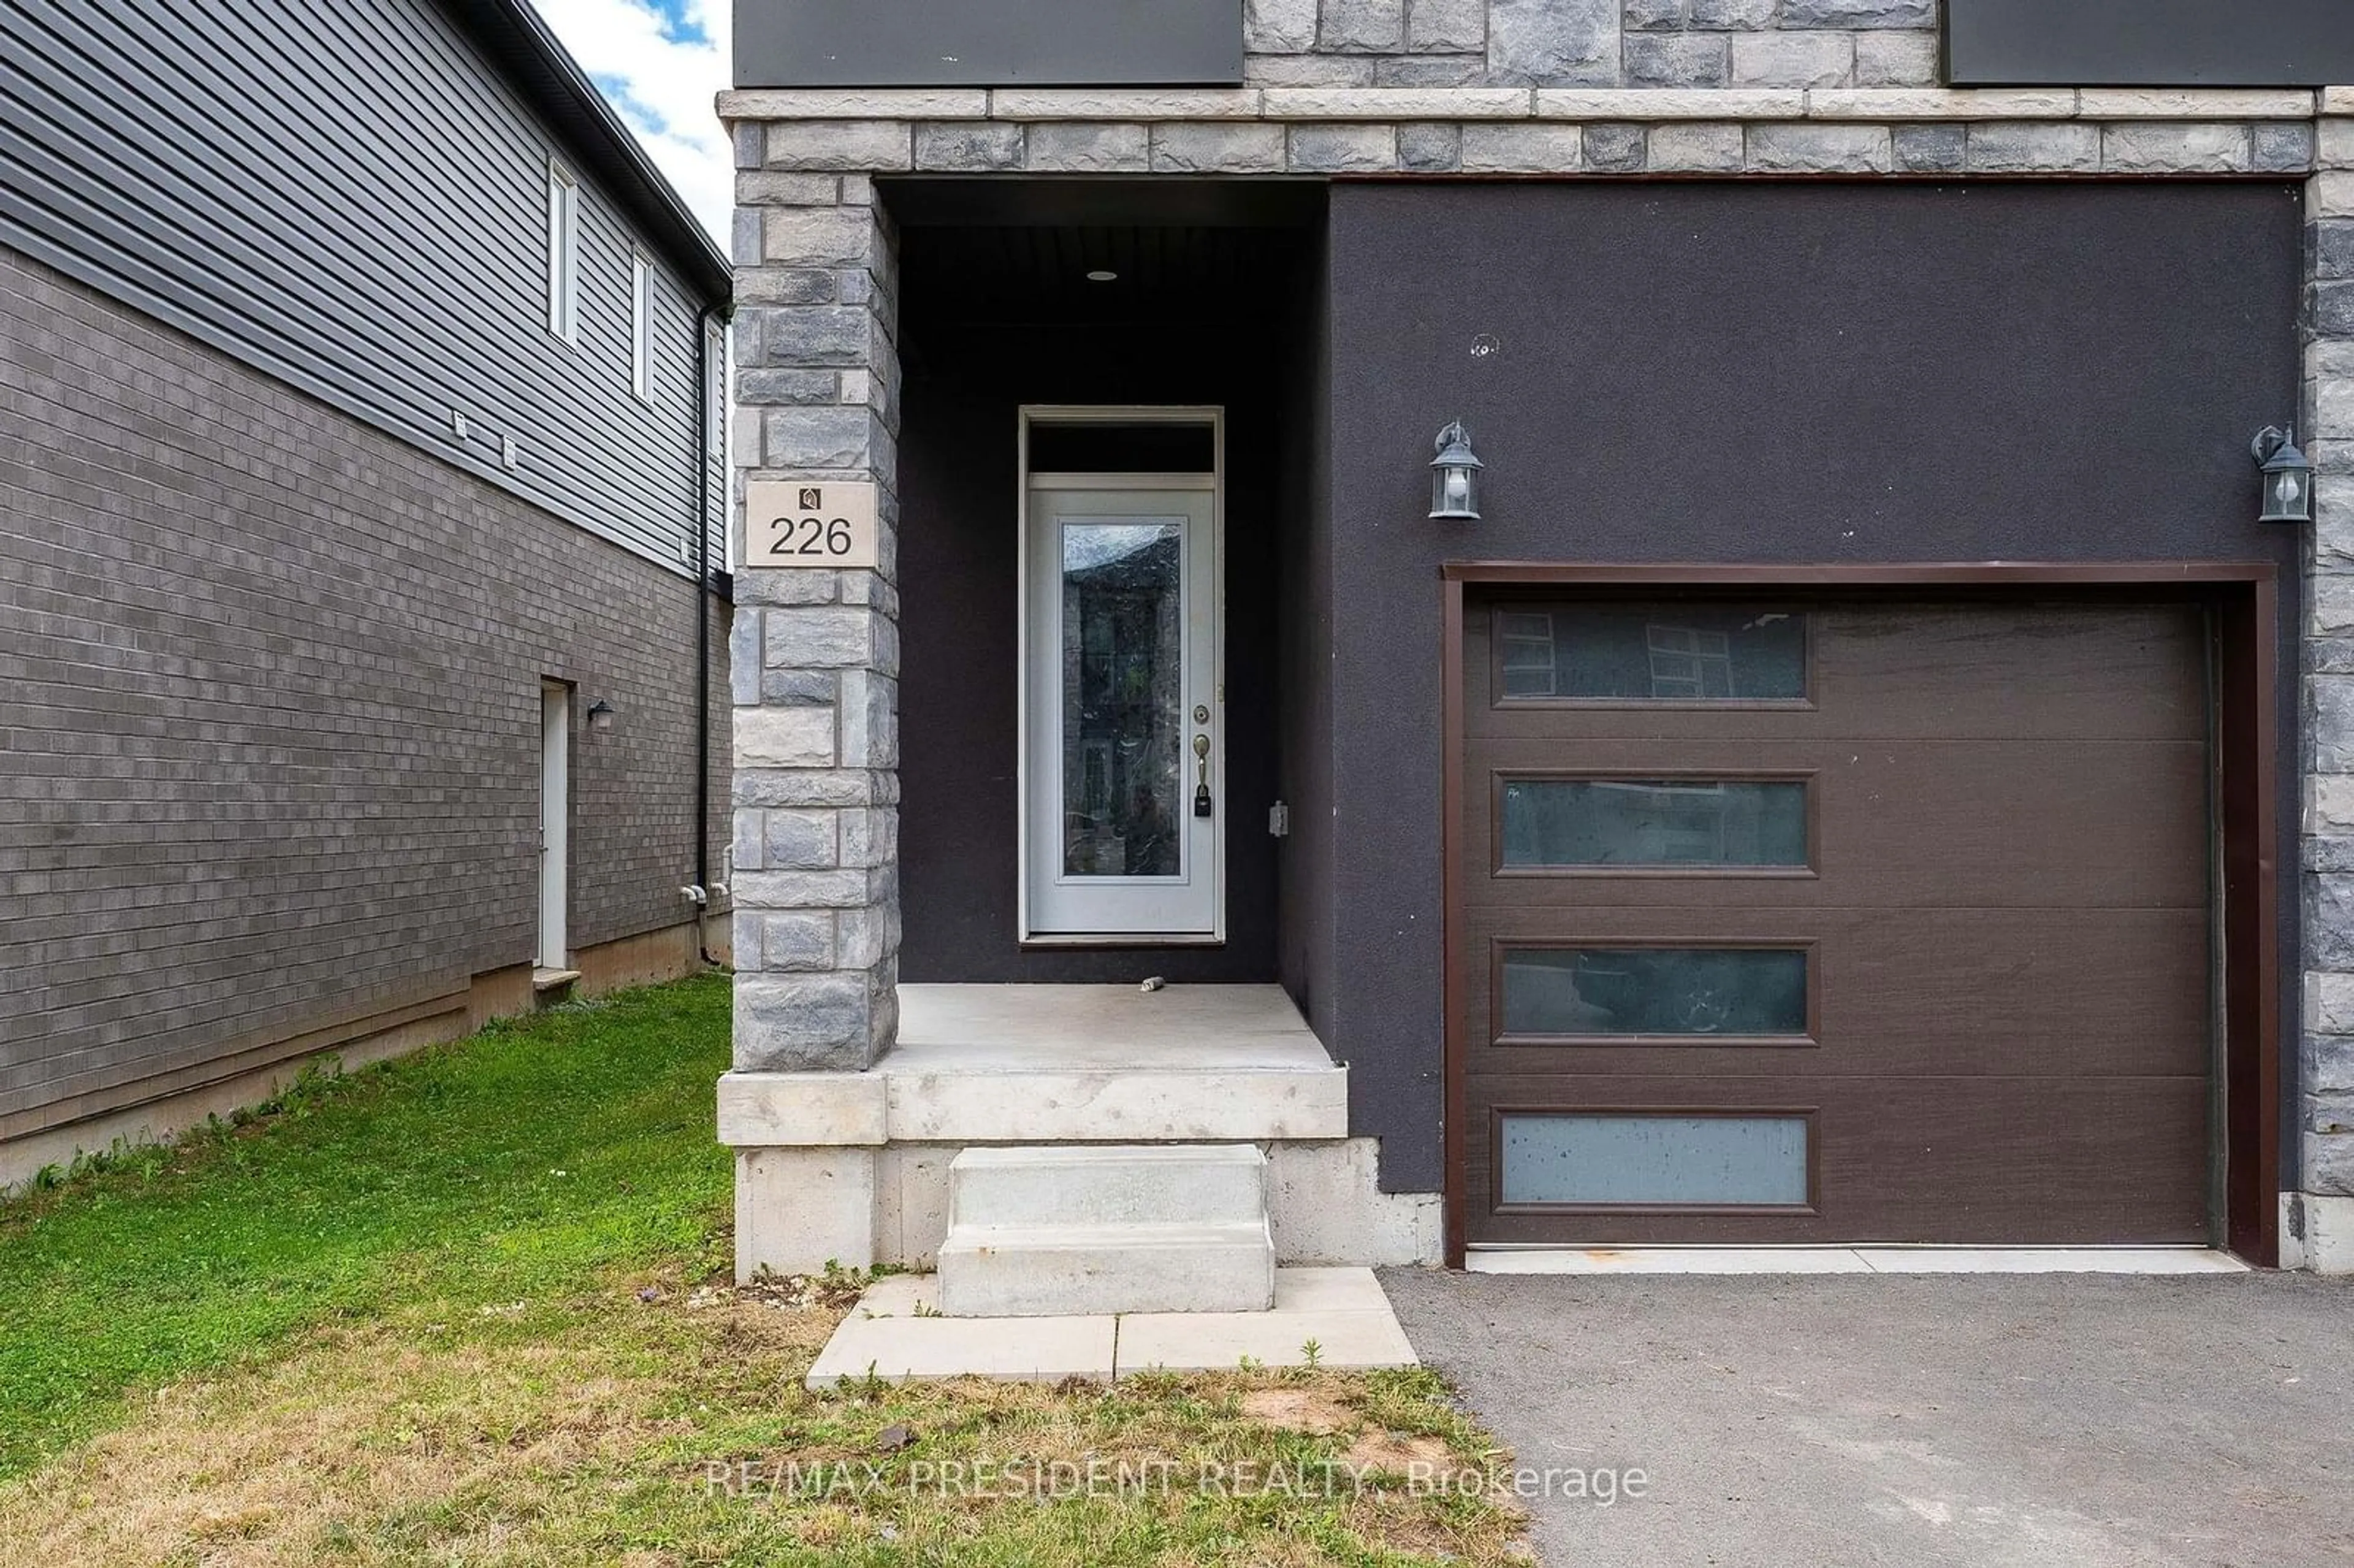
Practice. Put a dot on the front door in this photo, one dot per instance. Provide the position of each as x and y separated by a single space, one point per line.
1123 798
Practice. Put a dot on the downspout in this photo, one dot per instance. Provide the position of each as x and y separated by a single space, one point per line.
703 416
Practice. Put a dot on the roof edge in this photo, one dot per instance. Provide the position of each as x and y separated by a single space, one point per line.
519 43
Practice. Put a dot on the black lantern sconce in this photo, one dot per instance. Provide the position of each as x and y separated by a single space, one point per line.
1455 477
601 714
2288 476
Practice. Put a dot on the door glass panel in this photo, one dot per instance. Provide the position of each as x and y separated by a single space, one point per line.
1654 990
1716 1160
1123 688
1652 653
1654 822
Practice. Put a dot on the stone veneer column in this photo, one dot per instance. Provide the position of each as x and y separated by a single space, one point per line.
815 662
815 653
2321 1221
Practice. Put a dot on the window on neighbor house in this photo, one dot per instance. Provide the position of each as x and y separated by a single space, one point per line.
563 252
642 326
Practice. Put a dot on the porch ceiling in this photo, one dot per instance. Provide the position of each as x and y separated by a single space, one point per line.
1039 272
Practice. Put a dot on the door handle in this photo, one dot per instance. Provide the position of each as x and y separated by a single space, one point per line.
1202 773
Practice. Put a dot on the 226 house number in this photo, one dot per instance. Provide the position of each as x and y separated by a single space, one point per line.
812 537
791 525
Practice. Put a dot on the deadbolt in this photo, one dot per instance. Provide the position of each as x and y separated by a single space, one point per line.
1201 713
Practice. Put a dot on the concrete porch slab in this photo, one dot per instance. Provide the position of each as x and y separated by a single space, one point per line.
1343 1310
1112 1063
1060 1064
1730 1260
1083 1028
891 1335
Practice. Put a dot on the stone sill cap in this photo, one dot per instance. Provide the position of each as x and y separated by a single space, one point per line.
1415 103
784 1110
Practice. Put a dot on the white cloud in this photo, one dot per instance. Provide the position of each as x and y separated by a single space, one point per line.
660 63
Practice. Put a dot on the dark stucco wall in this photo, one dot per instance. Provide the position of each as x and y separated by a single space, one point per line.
1304 907
1790 372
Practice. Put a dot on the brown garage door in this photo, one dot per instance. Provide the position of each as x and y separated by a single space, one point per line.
1836 921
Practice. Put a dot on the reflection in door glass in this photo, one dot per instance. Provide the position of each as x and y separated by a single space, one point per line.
1634 991
1654 822
1123 646
1652 653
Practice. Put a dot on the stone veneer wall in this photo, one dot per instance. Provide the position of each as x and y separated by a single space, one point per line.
1419 88
2326 1065
815 655
1591 43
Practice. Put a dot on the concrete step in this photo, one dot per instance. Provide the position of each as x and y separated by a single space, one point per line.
1073 1270
1204 1184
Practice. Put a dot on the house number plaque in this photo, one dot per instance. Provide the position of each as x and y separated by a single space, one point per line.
789 523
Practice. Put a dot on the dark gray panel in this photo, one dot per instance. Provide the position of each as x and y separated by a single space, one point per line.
1719 372
923 43
349 196
2150 43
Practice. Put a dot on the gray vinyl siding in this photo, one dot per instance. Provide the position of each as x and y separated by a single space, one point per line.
345 194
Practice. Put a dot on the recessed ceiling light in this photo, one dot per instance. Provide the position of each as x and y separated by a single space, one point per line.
1103 275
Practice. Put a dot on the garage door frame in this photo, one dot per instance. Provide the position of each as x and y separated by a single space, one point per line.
2245 598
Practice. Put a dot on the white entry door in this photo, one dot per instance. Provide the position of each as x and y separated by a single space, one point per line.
1124 787
555 823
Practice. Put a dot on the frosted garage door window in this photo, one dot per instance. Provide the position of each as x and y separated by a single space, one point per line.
1740 1161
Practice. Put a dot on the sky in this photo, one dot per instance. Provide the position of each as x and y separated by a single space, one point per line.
660 63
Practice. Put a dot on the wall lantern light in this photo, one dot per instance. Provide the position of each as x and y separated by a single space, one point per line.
601 714
2288 477
1455 477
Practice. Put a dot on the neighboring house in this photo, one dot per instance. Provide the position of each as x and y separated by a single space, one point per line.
1864 773
361 541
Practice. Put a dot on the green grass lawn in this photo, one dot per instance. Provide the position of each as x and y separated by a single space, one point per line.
474 1308
526 1162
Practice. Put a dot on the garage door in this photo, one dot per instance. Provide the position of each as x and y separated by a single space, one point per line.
1836 921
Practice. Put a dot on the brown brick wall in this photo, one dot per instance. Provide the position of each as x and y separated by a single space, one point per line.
269 710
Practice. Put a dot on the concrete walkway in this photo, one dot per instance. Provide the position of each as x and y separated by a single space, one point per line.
2049 1421
896 1334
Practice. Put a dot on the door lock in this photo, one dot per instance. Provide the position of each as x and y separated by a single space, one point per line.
1202 765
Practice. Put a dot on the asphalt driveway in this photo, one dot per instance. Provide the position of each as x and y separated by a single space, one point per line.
2064 1421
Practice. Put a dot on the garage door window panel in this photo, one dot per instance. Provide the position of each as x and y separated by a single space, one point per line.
1649 823
1630 994
1673 1160
1607 655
